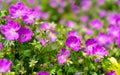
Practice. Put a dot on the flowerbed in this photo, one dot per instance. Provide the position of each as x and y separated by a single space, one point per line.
59 37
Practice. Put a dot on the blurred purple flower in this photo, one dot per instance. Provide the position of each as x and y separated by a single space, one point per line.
104 39
111 72
100 2
25 34
62 3
57 3
1 46
113 31
43 73
10 30
37 12
8 1
52 36
45 26
103 13
63 55
89 44
44 15
62 21
29 17
53 3
118 41
73 42
70 23
85 4
112 18
31 1
117 1
92 48
18 9
72 32
5 65
118 22
60 9
84 18
75 8
96 23
42 41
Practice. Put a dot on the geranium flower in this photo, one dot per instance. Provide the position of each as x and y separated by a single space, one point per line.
63 55
25 34
10 30
104 39
111 72
73 41
93 48
96 23
18 9
5 65
29 17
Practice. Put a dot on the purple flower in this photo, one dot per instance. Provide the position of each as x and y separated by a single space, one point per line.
18 9
8 1
63 55
104 39
103 13
86 4
53 3
29 17
73 42
5 65
70 23
45 26
75 8
89 44
118 2
60 9
42 41
52 36
92 48
96 23
72 32
112 18
10 30
44 15
84 18
31 1
25 34
113 31
43 73
118 41
111 72
100 2
1 46
37 12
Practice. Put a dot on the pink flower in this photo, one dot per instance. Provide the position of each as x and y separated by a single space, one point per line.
18 9
25 34
10 30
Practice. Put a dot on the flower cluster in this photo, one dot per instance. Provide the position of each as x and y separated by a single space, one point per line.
13 31
73 41
63 55
59 37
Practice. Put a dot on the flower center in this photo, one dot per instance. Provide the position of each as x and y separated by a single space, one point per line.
18 12
12 31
